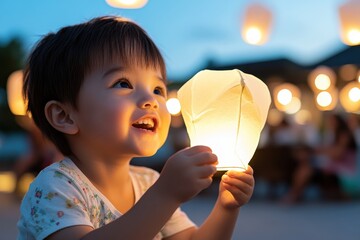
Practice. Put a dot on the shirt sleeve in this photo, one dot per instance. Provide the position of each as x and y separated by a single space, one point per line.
53 202
178 222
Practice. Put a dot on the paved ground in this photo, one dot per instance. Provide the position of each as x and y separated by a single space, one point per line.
259 220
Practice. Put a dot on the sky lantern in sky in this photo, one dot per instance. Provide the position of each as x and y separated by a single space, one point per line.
225 110
256 24
349 15
127 3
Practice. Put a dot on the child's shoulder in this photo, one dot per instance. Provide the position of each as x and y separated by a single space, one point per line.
58 173
63 167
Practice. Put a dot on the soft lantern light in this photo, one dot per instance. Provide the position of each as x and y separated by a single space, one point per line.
321 79
7 182
173 106
256 24
350 97
349 14
127 3
326 100
15 98
225 110
287 98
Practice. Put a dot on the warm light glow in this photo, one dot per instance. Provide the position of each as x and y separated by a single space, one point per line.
350 22
274 117
354 94
24 183
321 78
324 99
327 100
253 35
348 72
350 97
7 182
322 82
302 117
173 106
354 36
14 93
256 24
294 106
284 96
127 3
225 110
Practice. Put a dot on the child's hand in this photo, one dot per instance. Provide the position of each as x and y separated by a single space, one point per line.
236 188
188 172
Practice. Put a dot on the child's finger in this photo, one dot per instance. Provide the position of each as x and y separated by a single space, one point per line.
238 179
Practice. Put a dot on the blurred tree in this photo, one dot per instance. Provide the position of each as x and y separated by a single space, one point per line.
11 59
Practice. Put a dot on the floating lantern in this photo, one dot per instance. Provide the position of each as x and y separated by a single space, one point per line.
256 24
350 22
225 110
127 3
350 97
15 98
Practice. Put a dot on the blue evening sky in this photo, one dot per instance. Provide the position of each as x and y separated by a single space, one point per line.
191 32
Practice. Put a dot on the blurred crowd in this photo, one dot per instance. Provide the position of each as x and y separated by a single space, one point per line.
302 156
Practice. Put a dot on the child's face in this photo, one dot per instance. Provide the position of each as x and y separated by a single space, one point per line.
122 111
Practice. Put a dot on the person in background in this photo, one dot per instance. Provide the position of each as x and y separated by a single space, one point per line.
98 91
326 163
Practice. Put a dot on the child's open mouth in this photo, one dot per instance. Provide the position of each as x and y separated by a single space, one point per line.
146 124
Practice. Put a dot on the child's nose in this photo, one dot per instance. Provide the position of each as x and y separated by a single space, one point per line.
148 101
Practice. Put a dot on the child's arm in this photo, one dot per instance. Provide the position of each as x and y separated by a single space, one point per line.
236 189
184 175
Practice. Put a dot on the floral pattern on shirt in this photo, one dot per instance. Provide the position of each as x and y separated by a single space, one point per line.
62 196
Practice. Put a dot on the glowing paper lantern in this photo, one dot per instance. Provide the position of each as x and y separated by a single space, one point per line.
15 98
256 24
127 3
350 97
349 14
225 110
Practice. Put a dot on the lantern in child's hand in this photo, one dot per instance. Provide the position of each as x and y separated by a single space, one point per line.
225 110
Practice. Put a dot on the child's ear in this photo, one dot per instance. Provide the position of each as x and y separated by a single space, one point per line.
59 117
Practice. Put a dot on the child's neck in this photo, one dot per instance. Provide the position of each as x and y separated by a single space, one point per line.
111 179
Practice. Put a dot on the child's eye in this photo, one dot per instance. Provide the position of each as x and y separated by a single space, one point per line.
123 83
160 91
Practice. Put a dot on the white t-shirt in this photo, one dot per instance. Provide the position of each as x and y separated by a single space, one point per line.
62 196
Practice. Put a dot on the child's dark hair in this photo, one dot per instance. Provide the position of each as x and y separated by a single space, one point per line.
59 63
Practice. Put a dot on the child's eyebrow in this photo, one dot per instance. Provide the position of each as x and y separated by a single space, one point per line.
112 70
